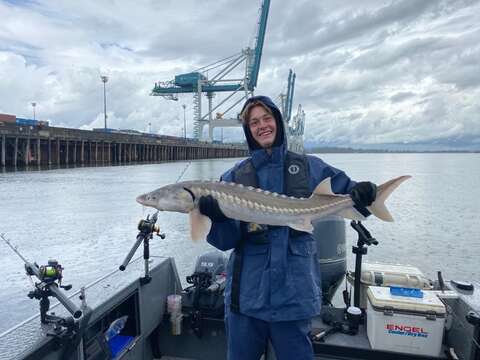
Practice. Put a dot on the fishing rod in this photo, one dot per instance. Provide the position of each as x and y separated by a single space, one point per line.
50 282
67 331
147 227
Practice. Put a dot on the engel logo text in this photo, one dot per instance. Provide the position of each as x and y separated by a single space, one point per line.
406 330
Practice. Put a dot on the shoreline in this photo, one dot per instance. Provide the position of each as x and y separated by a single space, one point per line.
328 150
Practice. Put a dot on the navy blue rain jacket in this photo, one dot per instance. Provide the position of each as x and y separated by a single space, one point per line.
280 280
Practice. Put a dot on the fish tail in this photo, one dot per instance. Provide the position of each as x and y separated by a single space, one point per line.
378 207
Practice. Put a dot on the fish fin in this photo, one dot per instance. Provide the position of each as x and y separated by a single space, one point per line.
199 225
305 226
378 207
351 214
324 188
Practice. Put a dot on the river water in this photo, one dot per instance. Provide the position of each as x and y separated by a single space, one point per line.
86 218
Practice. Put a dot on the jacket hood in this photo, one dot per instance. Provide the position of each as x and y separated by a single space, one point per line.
280 138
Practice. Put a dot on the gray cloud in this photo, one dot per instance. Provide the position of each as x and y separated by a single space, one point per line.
400 96
381 72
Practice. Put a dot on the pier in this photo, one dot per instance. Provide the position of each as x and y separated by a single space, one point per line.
46 145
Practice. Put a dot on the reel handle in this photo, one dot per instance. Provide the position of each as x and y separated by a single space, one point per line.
147 228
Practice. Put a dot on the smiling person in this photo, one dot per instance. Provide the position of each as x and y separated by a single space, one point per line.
273 283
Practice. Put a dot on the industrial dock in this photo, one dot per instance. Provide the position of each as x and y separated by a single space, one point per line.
33 142
39 145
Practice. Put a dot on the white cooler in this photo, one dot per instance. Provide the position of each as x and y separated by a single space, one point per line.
405 324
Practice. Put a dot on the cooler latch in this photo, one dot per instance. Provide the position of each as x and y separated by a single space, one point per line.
431 315
388 311
378 278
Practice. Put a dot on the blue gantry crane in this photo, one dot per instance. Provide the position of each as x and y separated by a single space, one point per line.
200 82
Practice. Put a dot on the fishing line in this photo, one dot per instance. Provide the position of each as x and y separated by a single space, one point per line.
144 208
183 172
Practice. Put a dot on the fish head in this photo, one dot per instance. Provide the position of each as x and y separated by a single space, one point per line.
172 197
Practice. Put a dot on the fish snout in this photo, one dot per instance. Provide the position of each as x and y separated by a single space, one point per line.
148 199
141 199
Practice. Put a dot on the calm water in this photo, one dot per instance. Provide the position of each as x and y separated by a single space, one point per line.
87 217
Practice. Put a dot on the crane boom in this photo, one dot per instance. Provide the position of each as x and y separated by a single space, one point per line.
199 82
290 96
289 99
253 76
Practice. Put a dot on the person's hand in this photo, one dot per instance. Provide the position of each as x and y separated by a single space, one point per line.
208 206
364 194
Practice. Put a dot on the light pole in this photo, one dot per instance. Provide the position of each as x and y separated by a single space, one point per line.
104 80
33 106
184 122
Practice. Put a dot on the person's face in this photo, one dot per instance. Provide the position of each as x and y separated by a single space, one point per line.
263 127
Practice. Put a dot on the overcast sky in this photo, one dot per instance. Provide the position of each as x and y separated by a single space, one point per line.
368 72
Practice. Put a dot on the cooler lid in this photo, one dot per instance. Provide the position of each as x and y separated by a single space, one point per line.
391 268
379 274
380 297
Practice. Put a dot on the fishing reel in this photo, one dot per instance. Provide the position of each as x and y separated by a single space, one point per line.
149 226
50 277
47 274
202 280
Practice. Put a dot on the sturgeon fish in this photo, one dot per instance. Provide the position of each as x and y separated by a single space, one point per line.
263 207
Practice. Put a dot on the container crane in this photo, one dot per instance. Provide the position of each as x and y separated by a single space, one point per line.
295 127
287 99
199 82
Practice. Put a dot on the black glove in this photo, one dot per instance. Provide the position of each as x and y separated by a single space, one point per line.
363 194
208 206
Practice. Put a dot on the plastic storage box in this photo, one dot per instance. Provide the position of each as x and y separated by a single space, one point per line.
377 274
405 324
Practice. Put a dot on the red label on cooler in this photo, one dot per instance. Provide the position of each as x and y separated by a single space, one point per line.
406 330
